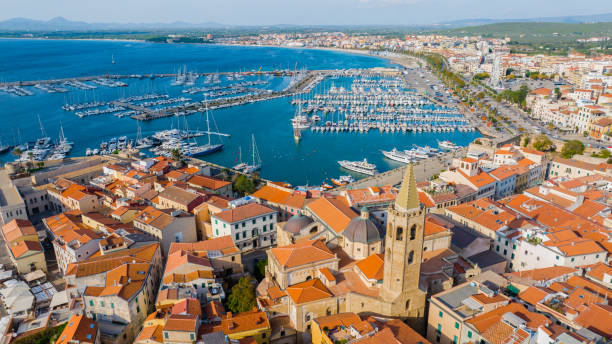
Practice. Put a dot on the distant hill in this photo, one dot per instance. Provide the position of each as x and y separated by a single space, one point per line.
595 18
63 24
534 29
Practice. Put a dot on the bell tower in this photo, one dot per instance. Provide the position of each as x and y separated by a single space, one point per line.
403 250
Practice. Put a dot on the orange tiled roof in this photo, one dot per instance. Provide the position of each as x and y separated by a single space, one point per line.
333 212
543 274
373 267
243 212
79 329
207 182
225 245
282 197
302 253
533 295
308 291
240 323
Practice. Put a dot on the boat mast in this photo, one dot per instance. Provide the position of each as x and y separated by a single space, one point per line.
42 129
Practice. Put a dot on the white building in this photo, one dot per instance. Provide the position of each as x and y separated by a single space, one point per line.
251 226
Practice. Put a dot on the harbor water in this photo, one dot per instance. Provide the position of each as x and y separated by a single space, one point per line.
311 161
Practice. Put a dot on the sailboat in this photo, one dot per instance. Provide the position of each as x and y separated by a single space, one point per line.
256 165
240 165
140 143
113 59
207 148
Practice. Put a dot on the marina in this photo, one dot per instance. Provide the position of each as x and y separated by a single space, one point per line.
310 159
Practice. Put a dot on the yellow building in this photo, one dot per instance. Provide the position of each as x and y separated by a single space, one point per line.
252 323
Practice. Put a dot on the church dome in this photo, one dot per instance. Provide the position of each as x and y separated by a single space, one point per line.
361 229
296 223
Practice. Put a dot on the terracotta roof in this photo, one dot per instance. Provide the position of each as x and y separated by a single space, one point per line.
225 245
598 319
333 212
485 321
19 249
79 329
383 194
17 228
373 267
240 323
543 274
109 261
275 293
598 271
124 281
542 91
207 182
189 306
152 333
533 295
326 272
214 309
282 197
308 291
243 212
302 253
181 323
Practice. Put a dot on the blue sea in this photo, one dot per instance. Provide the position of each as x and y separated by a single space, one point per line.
311 161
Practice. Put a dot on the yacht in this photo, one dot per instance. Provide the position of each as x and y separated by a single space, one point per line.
447 145
343 180
397 155
359 166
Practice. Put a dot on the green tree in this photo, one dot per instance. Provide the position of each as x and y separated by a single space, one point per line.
260 269
242 296
176 154
571 148
542 143
244 185
526 141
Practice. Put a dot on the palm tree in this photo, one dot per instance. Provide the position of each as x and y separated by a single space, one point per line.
176 154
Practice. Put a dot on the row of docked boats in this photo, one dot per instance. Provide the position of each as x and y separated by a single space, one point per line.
44 148
404 156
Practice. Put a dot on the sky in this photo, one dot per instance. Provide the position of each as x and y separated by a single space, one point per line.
299 12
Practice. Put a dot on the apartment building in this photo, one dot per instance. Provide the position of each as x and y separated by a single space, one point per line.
251 226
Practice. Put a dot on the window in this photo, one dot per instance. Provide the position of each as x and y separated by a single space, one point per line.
236 226
497 248
407 304
166 335
454 339
101 303
557 257
237 236
441 314
573 259
469 334
243 224
456 324
505 252
263 335
413 232
112 305
399 232
192 336
410 257
439 328
271 216
512 256
254 221
243 234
